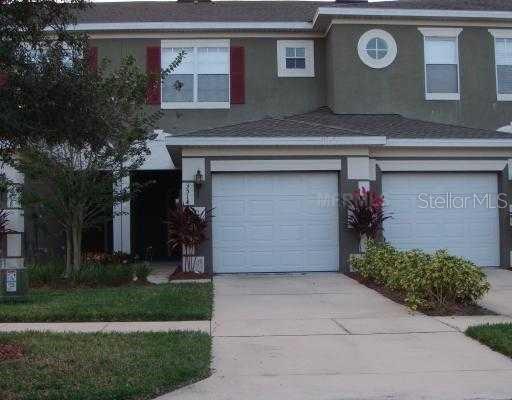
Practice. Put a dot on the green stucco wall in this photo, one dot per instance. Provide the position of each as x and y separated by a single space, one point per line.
355 88
266 94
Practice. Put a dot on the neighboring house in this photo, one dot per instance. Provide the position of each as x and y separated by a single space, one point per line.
284 107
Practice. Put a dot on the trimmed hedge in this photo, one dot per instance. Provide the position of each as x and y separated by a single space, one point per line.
427 281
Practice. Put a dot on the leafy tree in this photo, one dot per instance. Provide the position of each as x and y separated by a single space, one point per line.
73 129
25 27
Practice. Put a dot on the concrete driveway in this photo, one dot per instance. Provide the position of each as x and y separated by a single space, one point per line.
325 337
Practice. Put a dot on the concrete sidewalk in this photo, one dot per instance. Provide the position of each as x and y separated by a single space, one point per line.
203 326
499 298
326 337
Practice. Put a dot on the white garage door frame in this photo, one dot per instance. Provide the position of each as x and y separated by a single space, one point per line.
276 173
472 232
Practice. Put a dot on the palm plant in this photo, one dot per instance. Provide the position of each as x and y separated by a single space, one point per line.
187 230
366 213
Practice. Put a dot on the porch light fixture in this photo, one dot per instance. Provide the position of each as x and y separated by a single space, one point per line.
199 179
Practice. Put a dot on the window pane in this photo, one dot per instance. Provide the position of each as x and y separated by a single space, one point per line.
178 88
440 51
300 63
505 79
503 51
372 53
290 63
213 88
212 60
442 79
186 66
290 52
381 44
381 54
300 52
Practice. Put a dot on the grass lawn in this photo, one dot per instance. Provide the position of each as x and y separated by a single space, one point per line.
169 302
102 366
498 337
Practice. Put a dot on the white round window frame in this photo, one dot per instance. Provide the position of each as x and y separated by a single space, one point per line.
385 61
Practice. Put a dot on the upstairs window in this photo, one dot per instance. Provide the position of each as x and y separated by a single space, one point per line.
441 63
503 57
201 80
295 58
377 48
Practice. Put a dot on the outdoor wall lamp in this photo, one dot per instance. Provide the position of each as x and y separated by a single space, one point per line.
199 179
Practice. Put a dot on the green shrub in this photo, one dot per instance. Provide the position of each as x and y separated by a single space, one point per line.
142 271
94 274
46 274
427 281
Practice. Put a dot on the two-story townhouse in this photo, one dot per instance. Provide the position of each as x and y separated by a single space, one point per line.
280 108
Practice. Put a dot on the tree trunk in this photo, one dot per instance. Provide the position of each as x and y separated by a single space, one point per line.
69 249
77 246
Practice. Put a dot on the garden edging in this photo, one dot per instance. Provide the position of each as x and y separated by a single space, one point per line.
161 326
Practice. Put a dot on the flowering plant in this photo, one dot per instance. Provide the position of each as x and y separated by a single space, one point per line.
366 213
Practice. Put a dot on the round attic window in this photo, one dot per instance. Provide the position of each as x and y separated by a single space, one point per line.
377 48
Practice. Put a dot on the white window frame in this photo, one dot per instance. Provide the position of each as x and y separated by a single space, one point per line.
309 54
442 33
195 44
384 62
500 34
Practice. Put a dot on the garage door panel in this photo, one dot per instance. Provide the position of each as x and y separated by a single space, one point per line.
458 223
291 233
281 226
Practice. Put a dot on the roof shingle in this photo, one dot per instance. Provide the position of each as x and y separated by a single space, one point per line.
258 11
324 122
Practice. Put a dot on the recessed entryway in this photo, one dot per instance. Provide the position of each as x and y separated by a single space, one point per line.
275 222
453 211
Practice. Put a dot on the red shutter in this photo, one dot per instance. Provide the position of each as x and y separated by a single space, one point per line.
237 75
3 79
153 69
92 59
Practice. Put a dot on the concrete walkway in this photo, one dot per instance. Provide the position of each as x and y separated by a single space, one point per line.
203 326
499 298
325 337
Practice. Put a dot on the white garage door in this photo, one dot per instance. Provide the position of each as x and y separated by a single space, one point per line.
453 211
275 222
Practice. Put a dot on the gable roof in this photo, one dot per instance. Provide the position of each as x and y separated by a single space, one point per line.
265 11
324 123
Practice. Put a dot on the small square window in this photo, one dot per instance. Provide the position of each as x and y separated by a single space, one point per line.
295 58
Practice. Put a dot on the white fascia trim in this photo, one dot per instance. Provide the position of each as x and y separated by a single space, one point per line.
397 12
441 165
176 26
441 32
501 33
276 141
449 143
275 165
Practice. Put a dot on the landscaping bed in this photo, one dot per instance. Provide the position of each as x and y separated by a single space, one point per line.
397 297
101 366
435 284
180 275
185 302
498 337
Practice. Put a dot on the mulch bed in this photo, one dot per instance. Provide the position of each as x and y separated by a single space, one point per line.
11 352
179 275
452 310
